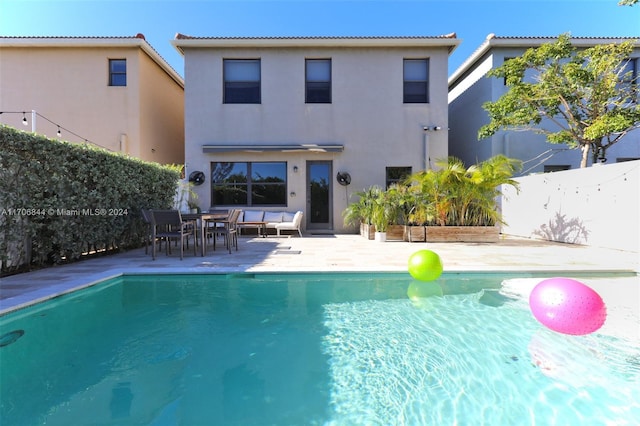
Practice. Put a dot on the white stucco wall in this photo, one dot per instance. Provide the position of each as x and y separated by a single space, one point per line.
596 206
367 115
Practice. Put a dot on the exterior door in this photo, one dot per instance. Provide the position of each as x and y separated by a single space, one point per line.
319 195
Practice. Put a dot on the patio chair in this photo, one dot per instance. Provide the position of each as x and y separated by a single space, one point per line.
168 224
211 225
146 218
229 231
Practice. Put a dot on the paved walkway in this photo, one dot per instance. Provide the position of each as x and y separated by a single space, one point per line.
318 254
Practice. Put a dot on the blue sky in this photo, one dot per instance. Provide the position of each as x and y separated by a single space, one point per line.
472 20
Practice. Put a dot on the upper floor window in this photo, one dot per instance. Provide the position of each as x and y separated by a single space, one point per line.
318 81
249 184
241 81
507 58
416 81
117 72
630 79
629 71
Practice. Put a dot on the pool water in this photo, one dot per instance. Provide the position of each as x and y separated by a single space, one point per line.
306 349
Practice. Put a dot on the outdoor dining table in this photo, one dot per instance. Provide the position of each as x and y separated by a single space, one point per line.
201 220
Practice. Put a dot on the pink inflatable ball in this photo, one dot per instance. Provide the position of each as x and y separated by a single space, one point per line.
567 306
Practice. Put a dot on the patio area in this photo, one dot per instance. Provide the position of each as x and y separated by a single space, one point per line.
315 253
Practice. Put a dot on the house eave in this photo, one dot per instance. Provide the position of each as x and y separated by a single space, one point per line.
492 41
256 148
181 42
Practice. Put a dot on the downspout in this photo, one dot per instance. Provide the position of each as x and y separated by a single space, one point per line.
426 158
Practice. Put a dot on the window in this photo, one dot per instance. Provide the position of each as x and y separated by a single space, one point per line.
630 70
416 81
396 175
241 81
629 75
318 81
507 58
117 72
556 168
249 184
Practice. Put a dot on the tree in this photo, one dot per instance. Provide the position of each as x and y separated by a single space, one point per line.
586 98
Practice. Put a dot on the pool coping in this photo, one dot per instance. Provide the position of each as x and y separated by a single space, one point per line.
40 295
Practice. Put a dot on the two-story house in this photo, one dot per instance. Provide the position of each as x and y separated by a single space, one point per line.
470 88
114 92
272 122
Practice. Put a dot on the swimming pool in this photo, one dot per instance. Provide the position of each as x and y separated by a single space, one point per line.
305 349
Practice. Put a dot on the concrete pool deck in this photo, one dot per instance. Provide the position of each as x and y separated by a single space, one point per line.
350 253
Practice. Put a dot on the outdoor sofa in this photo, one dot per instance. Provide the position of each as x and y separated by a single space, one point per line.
278 220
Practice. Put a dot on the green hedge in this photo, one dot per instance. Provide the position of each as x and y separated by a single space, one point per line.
60 201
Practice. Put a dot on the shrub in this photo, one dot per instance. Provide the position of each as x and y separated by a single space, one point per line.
60 201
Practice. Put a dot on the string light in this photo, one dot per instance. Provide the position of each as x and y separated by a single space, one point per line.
553 151
599 186
60 128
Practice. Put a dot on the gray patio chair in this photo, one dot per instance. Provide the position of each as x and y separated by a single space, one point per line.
229 231
211 225
146 218
168 224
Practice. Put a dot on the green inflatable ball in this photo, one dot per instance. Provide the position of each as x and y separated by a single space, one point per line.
425 265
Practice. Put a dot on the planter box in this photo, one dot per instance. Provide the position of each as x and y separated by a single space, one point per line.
414 234
367 231
395 232
466 234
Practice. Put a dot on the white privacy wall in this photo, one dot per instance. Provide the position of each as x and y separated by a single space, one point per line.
596 206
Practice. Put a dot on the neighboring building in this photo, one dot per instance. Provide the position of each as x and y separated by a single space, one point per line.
470 88
272 121
115 92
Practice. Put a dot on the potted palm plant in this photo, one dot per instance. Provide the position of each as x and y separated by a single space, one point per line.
381 215
459 203
420 210
193 206
185 198
360 213
399 199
